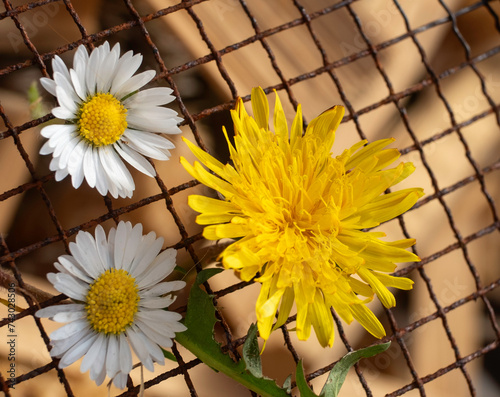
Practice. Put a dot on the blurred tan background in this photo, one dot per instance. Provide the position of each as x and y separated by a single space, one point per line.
25 220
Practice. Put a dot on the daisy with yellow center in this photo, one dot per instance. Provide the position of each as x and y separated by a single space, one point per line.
107 120
298 215
116 284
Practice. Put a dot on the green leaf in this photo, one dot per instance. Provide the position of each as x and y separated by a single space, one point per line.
304 389
199 340
339 371
251 353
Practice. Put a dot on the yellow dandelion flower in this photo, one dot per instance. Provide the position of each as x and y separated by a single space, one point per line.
298 214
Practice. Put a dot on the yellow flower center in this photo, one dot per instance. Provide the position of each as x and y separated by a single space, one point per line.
112 302
102 119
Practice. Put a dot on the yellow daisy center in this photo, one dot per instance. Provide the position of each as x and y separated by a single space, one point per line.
102 119
112 302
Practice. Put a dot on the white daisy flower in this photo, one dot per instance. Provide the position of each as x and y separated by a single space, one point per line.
107 120
118 296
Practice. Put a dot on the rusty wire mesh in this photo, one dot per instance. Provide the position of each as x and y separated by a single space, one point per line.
53 213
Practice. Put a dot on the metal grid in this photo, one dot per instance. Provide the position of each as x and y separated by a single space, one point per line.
139 22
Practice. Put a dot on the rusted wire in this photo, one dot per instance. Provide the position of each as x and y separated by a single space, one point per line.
329 67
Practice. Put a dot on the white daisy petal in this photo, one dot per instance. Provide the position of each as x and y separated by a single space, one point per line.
100 377
94 358
162 338
46 148
67 86
63 113
164 126
120 380
133 243
75 164
157 303
65 149
159 269
51 311
73 328
151 97
72 266
68 285
121 240
160 317
139 347
59 66
61 139
152 112
65 100
163 288
101 182
111 185
125 355
61 346
149 138
135 159
143 148
80 61
60 174
107 69
77 351
134 83
92 70
149 249
112 356
49 85
89 167
152 349
64 317
85 253
126 67
104 270
54 129
78 84
115 168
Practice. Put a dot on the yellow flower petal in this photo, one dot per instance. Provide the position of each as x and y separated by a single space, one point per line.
280 124
298 215
208 205
205 177
325 125
260 107
388 206
322 321
396 282
285 307
296 131
368 320
368 151
385 296
209 161
230 230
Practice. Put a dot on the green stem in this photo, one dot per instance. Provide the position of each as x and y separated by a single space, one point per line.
262 386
